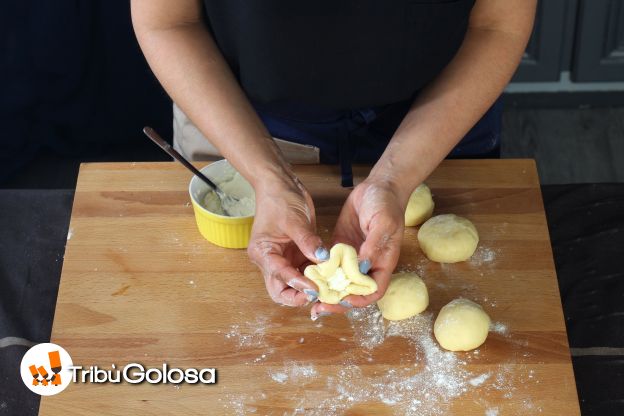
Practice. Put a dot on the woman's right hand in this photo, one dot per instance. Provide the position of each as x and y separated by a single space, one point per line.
284 241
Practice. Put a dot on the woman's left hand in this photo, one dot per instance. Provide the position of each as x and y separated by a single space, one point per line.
372 220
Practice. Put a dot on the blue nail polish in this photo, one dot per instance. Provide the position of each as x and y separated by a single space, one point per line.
345 304
311 292
312 299
324 313
322 254
365 266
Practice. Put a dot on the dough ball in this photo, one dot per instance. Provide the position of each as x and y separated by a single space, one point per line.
461 325
448 238
405 297
419 207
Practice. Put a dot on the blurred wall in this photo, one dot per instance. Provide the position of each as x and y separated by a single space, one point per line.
73 81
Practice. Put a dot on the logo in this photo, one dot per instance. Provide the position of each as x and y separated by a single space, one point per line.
46 369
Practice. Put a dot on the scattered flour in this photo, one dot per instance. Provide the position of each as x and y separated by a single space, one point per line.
425 383
295 371
264 356
423 388
499 328
477 381
70 234
482 255
279 377
492 411
251 334
368 326
300 371
237 403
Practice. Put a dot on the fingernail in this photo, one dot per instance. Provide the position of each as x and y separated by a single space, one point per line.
312 299
365 266
322 254
311 293
345 304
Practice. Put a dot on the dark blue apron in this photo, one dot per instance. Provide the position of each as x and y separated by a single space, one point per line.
361 136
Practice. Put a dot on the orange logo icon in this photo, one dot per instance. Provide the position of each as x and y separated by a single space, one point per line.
55 366
45 369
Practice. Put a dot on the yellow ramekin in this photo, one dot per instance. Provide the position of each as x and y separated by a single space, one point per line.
228 232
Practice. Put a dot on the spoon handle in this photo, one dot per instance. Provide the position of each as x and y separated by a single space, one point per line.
155 137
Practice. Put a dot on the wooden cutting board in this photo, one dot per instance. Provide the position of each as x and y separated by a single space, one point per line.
139 284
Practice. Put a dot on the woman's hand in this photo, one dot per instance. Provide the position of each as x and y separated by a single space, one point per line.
283 241
372 220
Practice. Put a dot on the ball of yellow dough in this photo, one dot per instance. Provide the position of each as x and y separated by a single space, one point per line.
461 325
419 207
405 297
448 238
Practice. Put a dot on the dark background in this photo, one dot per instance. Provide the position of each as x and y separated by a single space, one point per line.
75 86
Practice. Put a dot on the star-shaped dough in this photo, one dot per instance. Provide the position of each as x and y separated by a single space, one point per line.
340 275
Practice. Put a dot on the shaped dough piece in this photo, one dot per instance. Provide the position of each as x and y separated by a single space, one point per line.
340 275
419 207
461 325
405 297
448 238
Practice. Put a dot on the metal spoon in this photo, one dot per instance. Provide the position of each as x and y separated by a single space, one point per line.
223 197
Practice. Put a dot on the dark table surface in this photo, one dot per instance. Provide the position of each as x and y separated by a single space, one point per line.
586 224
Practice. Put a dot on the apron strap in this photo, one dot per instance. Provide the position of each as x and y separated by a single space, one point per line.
345 158
356 119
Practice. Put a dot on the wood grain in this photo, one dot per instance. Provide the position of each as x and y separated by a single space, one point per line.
139 284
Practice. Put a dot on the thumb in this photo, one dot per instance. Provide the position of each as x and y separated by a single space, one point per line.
309 242
371 249
380 241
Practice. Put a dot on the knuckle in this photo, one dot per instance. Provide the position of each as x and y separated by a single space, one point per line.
376 296
277 273
275 297
258 249
273 274
253 248
280 300
252 252
307 238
